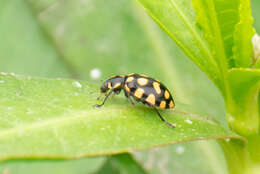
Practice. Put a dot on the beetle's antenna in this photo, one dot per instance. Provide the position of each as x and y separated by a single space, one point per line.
166 122
107 95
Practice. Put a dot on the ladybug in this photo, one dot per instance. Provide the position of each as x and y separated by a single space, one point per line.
142 88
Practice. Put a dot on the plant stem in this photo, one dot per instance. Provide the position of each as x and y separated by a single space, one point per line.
242 101
242 158
236 155
242 115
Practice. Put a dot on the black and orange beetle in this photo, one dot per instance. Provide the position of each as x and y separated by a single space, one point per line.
142 88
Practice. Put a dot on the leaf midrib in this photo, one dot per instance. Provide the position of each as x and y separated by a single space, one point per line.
76 116
193 31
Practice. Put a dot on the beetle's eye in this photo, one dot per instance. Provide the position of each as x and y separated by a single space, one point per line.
104 87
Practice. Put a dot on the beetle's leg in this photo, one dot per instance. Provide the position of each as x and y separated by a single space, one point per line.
166 122
129 98
107 95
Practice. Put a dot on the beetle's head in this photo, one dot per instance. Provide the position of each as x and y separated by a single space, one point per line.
104 87
116 82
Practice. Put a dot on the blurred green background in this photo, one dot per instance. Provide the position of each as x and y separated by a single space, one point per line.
94 39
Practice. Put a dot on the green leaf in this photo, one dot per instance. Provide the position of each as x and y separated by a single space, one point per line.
244 31
217 20
177 18
43 118
242 102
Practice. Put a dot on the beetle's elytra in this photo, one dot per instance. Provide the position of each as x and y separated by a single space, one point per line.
142 88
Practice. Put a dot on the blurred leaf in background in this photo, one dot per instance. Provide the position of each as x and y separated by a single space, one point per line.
67 38
80 166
